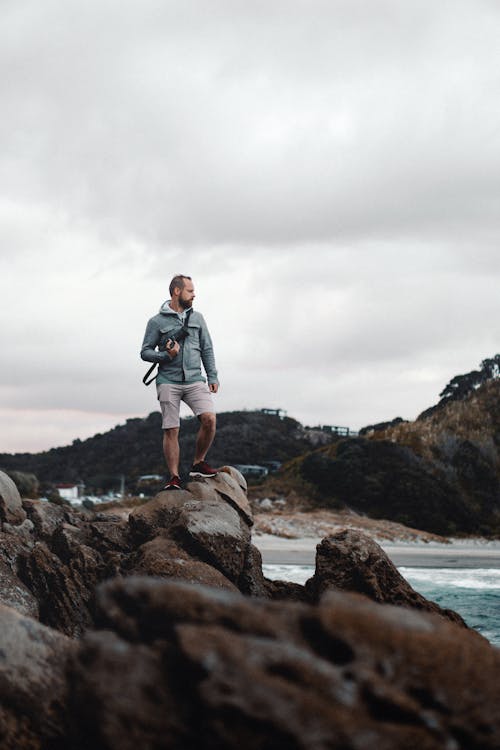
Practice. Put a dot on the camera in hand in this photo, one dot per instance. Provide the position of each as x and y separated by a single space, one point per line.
179 336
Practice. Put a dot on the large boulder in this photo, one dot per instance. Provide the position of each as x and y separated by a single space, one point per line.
210 520
214 532
231 485
351 561
207 668
11 508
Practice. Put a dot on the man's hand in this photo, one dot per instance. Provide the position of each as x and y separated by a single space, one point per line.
173 348
214 387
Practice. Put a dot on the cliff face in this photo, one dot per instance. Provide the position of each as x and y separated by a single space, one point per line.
440 473
461 443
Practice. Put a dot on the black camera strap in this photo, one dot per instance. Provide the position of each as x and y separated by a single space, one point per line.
185 330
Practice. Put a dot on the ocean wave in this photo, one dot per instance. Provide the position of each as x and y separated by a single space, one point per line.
464 578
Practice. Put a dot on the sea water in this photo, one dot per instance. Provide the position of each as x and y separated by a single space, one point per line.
472 592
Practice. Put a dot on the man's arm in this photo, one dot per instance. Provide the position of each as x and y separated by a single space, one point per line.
150 342
208 357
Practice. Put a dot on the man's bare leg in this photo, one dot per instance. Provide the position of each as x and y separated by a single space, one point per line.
205 436
171 450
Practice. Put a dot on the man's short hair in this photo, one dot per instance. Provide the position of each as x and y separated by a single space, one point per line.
177 283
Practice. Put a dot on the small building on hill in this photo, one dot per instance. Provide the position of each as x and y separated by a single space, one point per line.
281 413
68 491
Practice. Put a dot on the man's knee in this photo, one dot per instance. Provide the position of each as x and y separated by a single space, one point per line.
208 420
170 433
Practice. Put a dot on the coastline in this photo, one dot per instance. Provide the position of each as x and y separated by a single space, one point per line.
457 553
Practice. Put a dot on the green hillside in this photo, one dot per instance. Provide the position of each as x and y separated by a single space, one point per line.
440 473
135 448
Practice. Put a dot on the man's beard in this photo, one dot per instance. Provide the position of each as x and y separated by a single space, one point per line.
184 304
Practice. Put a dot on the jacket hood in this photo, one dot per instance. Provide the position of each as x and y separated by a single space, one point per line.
165 309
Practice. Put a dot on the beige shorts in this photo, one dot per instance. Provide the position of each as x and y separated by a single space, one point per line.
197 396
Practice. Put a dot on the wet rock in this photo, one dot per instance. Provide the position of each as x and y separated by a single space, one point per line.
11 509
351 561
33 684
209 669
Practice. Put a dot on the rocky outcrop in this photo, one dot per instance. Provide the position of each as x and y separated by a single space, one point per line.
52 561
178 639
352 561
209 669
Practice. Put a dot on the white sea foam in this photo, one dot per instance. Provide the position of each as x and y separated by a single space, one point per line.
465 578
473 592
295 573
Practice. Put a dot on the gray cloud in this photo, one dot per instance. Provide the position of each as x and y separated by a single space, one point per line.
327 173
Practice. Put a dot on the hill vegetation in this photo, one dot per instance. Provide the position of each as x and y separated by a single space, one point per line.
134 449
440 473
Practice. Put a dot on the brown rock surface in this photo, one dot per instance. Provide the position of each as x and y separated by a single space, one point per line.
13 593
64 590
188 666
232 486
214 532
351 561
158 514
164 558
33 684
210 669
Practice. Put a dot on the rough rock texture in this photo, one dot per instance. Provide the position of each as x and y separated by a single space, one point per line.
164 558
211 669
33 683
11 509
52 562
183 659
13 593
53 559
351 561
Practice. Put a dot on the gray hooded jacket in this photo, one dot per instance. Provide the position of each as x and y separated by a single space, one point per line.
195 349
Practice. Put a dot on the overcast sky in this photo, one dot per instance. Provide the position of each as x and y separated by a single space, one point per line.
327 171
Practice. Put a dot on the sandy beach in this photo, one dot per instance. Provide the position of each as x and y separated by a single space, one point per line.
457 553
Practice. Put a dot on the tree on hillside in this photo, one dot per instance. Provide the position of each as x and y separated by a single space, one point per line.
461 386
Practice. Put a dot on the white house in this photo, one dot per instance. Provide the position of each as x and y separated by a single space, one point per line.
68 491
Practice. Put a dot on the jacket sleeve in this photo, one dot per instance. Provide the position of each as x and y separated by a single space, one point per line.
150 342
207 353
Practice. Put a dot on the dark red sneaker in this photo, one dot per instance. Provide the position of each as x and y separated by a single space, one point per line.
174 483
202 469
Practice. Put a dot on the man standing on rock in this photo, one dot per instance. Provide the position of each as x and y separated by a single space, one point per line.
177 339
